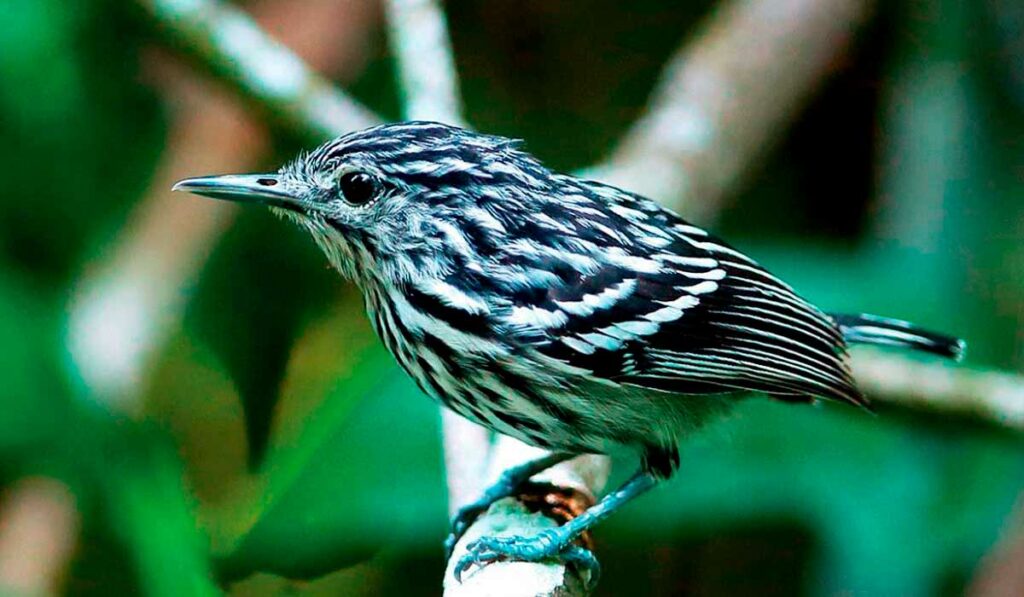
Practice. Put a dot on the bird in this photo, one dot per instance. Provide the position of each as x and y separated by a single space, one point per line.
572 315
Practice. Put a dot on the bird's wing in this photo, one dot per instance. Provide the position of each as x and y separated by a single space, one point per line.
693 316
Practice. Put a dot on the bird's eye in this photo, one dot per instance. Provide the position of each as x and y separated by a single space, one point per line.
358 188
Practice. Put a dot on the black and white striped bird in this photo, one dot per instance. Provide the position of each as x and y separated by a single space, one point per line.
569 314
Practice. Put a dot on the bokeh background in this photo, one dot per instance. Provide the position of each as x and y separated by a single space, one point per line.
248 434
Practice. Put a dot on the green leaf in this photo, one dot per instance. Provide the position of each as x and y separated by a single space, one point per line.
263 284
144 490
865 485
354 463
34 401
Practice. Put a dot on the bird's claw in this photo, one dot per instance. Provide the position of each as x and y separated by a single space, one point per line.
468 514
547 545
460 523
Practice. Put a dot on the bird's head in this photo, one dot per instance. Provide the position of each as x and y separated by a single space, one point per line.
397 201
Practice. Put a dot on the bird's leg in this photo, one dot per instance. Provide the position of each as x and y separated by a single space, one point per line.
558 542
506 485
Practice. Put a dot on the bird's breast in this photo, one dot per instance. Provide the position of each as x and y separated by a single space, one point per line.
457 359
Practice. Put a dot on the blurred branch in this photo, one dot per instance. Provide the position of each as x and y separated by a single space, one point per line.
1000 573
725 97
232 44
124 309
419 37
941 388
39 526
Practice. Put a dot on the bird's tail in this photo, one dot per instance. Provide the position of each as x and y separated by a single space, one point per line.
871 329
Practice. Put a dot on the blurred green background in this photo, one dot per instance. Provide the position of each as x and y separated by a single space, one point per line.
247 456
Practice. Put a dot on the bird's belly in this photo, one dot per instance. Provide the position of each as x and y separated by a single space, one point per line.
517 409
572 418
470 379
520 395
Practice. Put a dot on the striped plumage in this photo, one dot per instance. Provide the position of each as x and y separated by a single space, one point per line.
567 313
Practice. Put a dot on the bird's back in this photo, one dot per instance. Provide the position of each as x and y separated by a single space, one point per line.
642 297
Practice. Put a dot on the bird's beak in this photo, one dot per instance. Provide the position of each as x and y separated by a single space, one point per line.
263 189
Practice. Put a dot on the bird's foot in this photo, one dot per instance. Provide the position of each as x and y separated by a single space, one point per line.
510 481
507 485
546 545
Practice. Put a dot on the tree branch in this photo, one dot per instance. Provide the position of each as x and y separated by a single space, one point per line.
419 38
39 526
230 43
943 388
726 95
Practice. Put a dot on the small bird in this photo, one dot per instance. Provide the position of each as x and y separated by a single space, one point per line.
569 314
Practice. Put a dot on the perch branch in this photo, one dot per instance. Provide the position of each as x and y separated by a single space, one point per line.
723 98
581 478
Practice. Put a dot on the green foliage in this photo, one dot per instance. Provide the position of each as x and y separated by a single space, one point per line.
254 337
80 135
360 480
34 402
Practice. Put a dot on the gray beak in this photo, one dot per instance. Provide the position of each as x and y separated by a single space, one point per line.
262 189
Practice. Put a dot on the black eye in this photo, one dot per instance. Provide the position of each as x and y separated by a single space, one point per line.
358 188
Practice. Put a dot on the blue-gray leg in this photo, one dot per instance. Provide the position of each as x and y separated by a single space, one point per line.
506 485
557 542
